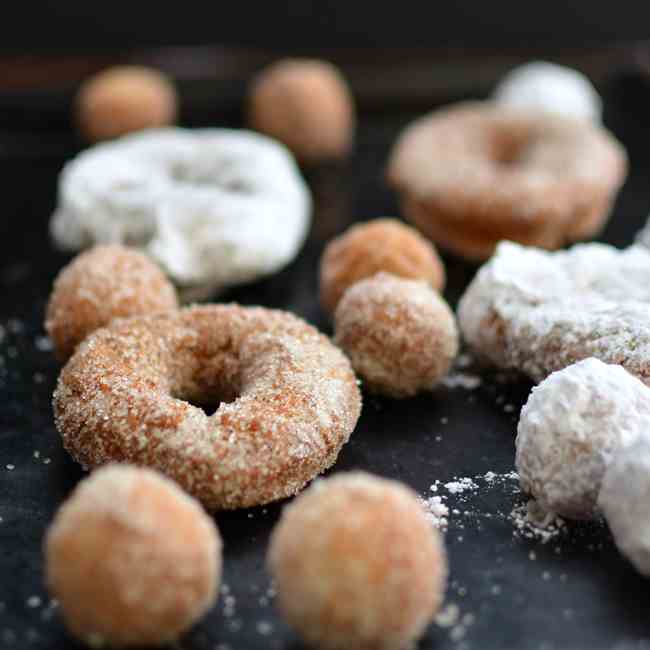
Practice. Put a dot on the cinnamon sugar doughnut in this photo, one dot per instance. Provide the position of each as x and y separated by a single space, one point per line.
358 564
103 283
378 245
476 173
307 105
132 559
289 401
400 335
123 99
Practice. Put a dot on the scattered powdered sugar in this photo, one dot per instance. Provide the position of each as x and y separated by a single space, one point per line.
532 522
464 380
436 511
460 485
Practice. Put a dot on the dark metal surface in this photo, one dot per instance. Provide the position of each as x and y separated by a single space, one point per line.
517 594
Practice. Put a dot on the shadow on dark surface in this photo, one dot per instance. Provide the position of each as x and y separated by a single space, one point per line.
512 592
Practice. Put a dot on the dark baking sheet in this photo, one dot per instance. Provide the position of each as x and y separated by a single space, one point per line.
512 592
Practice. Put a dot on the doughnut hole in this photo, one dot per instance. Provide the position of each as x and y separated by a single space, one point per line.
379 245
101 284
400 335
357 564
123 99
305 104
132 559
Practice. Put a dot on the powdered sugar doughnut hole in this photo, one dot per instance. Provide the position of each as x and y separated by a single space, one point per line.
571 427
550 87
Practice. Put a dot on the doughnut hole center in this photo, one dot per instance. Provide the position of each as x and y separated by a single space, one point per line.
508 149
208 389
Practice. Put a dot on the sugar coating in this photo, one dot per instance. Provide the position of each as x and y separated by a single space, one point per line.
132 559
305 104
571 427
550 87
214 207
123 99
378 245
400 335
625 502
288 401
101 284
358 564
537 312
475 173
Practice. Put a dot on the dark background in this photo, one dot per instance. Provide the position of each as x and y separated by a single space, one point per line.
307 25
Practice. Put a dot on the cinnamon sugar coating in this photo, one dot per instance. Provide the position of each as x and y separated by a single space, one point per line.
357 564
132 559
123 99
378 245
400 335
477 173
289 401
305 104
100 284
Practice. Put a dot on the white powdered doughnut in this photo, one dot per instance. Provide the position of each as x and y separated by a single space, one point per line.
550 87
536 312
570 429
625 502
214 207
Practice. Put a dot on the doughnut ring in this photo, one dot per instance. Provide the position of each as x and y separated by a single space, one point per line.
477 173
289 401
213 207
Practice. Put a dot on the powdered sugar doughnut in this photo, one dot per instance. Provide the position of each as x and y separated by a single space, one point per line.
625 502
536 312
476 173
289 401
214 207
571 427
550 87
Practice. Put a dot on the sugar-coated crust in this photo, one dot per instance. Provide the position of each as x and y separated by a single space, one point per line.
100 284
625 502
572 426
357 564
132 559
305 104
289 401
483 173
378 245
537 312
123 99
400 335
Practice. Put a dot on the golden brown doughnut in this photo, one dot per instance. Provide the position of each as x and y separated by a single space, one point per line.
477 173
378 245
305 104
123 99
100 284
400 335
132 559
357 564
289 401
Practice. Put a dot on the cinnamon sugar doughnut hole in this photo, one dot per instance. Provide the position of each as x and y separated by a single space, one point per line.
400 335
101 284
378 245
132 559
357 564
305 104
123 99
